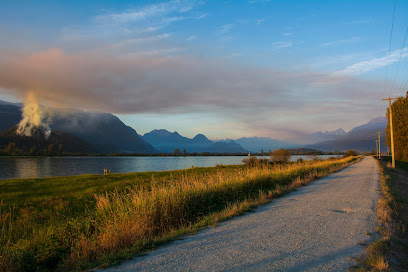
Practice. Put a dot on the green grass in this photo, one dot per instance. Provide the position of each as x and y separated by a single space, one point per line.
75 223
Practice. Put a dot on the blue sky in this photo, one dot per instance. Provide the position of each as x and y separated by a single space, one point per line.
227 69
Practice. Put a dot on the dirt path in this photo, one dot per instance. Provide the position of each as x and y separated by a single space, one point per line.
317 228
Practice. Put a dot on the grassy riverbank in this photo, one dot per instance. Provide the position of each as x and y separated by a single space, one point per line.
390 252
74 223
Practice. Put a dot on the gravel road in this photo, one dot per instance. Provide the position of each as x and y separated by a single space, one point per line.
317 228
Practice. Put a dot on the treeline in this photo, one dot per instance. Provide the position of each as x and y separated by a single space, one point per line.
400 128
57 144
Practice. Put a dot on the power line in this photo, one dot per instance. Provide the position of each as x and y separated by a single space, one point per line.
404 81
404 84
399 60
389 48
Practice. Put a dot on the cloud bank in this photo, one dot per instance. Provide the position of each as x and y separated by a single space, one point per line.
261 99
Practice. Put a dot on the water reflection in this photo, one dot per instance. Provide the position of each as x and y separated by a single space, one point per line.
27 168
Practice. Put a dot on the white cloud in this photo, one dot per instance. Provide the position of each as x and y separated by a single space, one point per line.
258 1
202 16
149 29
372 64
135 15
224 29
136 21
191 38
280 45
357 22
341 42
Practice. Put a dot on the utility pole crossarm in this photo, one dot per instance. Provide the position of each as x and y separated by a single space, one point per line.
392 98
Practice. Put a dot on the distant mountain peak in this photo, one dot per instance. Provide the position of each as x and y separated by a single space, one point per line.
338 132
200 138
379 119
160 132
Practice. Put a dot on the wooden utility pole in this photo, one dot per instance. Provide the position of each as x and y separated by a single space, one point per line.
379 145
376 146
391 132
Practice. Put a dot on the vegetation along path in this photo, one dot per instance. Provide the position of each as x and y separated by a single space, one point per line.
319 227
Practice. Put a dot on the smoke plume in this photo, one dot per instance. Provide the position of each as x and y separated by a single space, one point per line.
33 117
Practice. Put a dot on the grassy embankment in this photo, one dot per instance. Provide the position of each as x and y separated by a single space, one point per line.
74 223
390 252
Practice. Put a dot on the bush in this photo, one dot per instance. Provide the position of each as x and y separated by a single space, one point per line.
280 156
350 153
253 161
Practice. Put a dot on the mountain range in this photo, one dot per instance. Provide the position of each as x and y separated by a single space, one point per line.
166 142
361 138
105 133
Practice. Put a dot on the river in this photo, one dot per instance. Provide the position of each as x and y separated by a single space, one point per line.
20 167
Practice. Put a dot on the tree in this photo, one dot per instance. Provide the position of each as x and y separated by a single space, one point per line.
280 155
184 152
11 148
33 151
176 152
60 149
400 128
51 149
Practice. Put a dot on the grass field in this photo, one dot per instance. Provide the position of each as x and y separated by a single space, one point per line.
390 252
76 223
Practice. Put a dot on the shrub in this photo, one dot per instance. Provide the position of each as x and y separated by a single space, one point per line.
250 160
280 156
253 161
350 153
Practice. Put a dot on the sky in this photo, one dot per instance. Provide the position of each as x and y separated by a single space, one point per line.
226 69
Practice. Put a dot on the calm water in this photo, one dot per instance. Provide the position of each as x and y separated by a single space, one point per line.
68 166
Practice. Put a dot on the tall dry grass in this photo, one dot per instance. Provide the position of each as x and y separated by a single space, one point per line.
146 213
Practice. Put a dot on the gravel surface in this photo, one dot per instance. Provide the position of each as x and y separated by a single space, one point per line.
317 228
